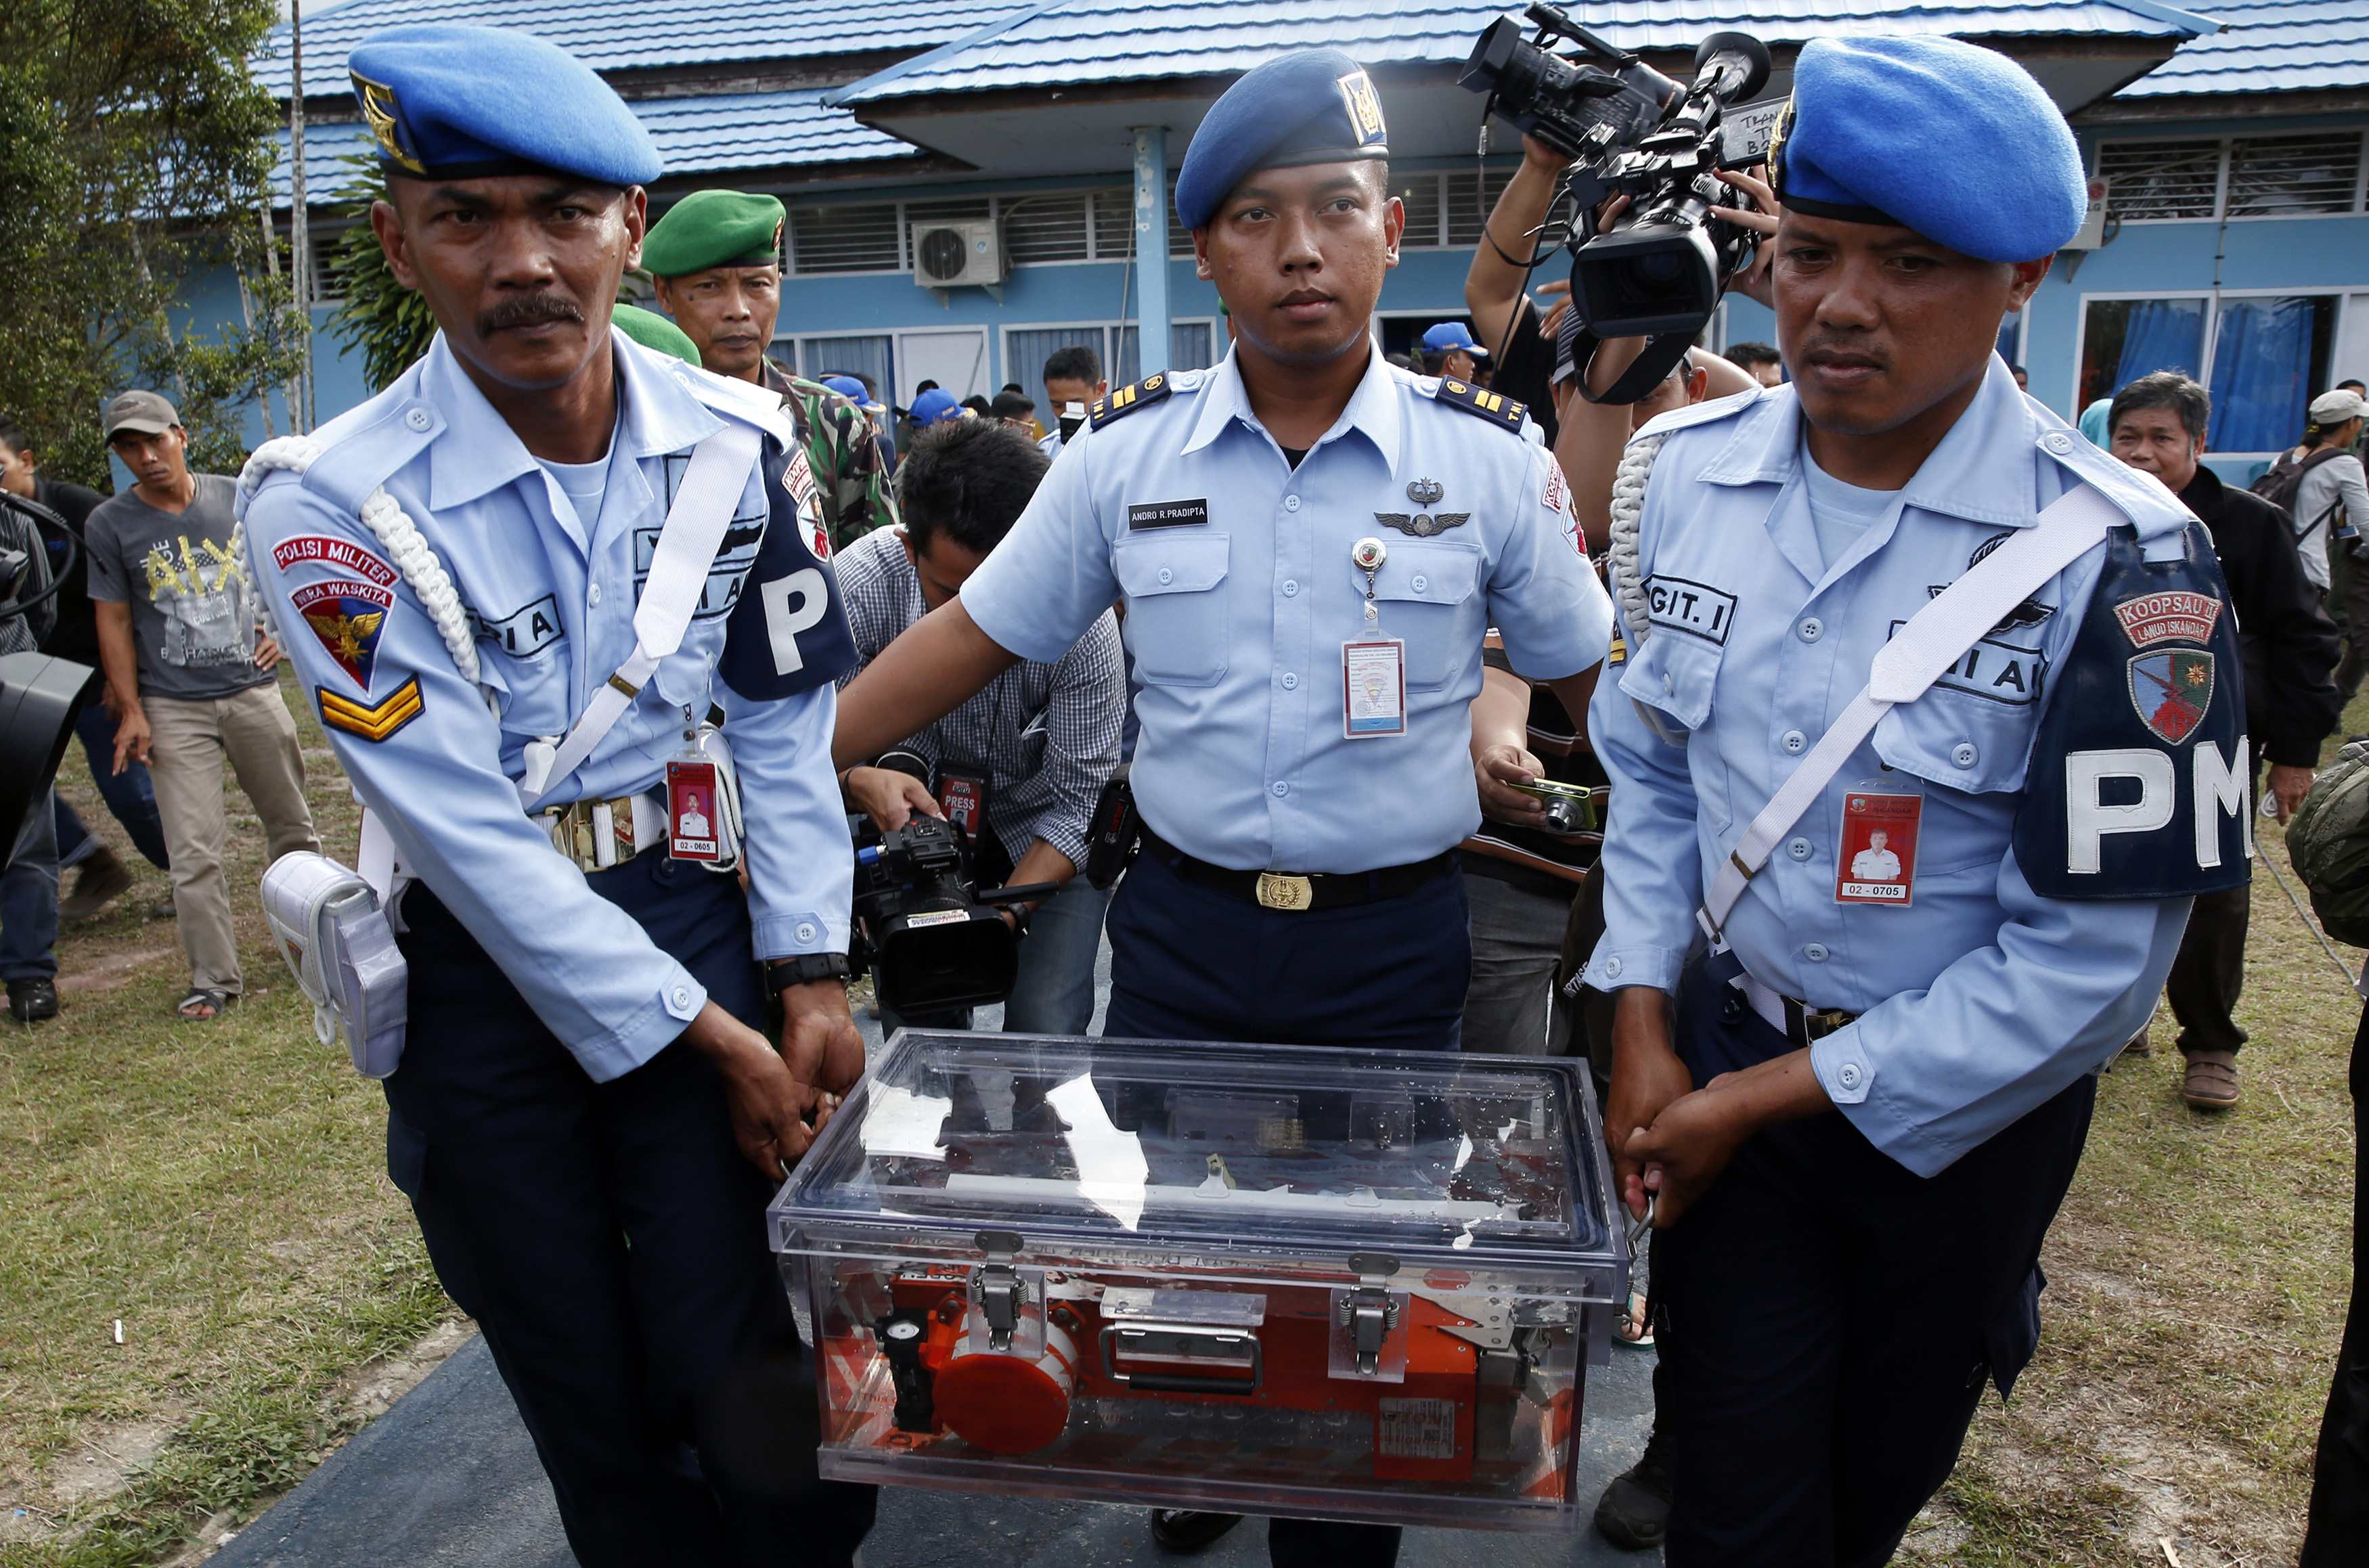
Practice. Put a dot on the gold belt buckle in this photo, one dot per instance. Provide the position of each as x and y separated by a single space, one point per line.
1276 891
1818 1025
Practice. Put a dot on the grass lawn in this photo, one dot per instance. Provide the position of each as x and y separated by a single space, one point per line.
219 1188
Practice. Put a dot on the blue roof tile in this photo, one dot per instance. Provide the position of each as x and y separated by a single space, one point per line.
2269 46
695 135
1102 41
617 35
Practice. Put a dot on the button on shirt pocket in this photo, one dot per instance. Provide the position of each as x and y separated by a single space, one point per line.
1425 590
1674 673
1176 614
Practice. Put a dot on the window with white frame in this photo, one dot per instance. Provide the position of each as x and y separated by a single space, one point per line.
1191 347
2189 178
1038 228
2262 355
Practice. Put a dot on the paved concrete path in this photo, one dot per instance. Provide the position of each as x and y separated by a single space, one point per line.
448 1479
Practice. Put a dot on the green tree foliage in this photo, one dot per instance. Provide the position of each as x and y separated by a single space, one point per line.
388 322
133 153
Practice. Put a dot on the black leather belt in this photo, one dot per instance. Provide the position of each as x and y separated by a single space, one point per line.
1279 890
1803 1024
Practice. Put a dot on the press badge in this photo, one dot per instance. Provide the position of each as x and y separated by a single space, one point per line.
962 795
1875 853
1373 687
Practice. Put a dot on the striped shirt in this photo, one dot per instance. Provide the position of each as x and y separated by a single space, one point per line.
1048 733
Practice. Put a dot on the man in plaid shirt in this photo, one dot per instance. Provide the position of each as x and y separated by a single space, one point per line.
1020 764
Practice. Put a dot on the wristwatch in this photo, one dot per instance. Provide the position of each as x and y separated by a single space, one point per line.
781 974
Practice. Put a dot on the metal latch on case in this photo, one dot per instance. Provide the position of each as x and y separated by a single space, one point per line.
1001 1290
1369 1313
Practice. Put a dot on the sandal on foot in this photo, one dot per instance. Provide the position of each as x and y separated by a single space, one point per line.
1633 1330
203 1006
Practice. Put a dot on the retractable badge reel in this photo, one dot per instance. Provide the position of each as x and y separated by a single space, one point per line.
702 812
1373 666
1875 853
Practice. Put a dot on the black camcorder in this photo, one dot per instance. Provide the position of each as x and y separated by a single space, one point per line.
934 941
1658 270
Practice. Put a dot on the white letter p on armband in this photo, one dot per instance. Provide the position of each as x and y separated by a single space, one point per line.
794 604
2088 820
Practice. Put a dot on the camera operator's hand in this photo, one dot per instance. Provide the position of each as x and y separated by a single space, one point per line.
130 737
766 1100
889 797
819 1040
1493 769
1546 159
1761 218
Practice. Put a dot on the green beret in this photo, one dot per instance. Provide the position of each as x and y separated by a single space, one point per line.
714 228
652 330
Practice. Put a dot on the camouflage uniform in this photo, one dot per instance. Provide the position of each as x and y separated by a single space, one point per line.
844 452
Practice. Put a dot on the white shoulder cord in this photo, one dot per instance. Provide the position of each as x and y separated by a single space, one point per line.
396 532
1628 517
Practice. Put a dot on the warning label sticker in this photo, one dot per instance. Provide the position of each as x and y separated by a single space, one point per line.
1417 1429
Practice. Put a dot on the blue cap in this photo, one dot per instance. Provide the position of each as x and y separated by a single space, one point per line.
1953 141
1315 107
1452 335
935 405
847 386
452 102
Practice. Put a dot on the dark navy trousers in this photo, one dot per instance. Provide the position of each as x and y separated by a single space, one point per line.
1192 963
609 1240
1834 1317
2338 1534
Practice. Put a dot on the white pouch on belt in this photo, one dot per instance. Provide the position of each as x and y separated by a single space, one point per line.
328 924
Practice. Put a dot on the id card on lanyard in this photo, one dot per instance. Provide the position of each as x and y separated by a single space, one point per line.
962 794
1373 668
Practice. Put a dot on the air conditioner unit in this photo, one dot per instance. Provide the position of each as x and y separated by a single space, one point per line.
951 255
2093 233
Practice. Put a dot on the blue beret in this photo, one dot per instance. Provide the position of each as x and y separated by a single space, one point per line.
1953 141
1315 107
451 102
935 405
1452 335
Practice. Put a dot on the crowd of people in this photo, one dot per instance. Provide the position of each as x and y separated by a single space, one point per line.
1844 942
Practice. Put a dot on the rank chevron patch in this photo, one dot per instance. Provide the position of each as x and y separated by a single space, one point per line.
371 721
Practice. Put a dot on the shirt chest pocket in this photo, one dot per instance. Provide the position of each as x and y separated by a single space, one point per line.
1674 673
1424 593
1178 618
1973 729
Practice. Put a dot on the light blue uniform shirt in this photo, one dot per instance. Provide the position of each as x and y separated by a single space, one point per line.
1981 999
551 597
1234 571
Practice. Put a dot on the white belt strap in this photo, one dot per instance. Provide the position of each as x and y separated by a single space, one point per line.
702 508
1935 638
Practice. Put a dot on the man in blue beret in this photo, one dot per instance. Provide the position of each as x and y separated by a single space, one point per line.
587 1116
1449 350
1928 717
1309 544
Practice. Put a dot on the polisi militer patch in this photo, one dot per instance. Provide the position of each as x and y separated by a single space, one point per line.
2173 690
1494 406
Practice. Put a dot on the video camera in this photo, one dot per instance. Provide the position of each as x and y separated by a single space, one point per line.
1658 270
932 940
39 696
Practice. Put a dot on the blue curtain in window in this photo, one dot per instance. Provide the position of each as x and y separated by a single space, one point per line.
1130 360
1024 353
2261 374
2160 335
1188 346
871 356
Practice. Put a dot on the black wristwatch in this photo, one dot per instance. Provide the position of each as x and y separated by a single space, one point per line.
781 974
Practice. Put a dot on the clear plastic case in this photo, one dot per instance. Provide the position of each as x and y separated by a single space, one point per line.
1351 1285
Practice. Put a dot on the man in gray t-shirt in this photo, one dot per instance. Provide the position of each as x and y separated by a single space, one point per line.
189 677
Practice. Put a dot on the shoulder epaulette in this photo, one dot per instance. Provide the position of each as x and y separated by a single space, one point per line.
1127 399
1494 406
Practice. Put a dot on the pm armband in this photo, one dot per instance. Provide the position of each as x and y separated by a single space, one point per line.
2140 784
